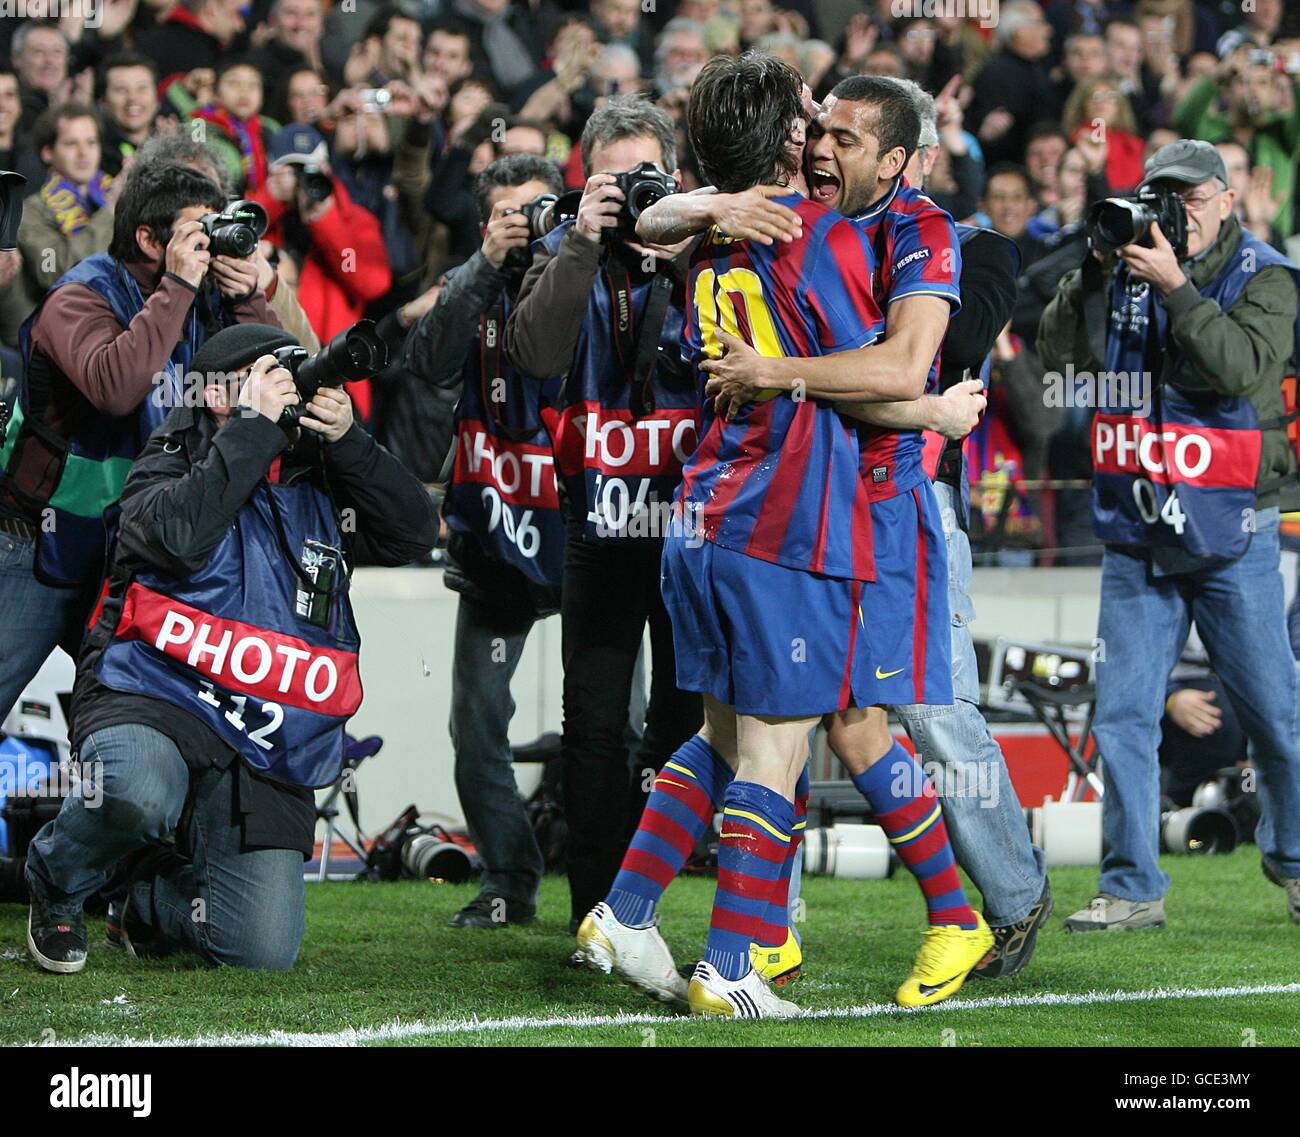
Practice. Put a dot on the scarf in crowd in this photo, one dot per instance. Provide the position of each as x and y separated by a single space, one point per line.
507 54
70 206
247 137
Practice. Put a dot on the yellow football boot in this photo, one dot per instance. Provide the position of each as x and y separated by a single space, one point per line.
947 956
778 965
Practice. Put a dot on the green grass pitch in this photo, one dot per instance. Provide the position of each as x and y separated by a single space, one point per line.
381 956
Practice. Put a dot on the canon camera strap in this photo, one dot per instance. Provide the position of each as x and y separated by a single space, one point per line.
491 332
636 343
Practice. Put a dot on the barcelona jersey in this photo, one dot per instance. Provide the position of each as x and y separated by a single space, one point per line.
782 481
915 252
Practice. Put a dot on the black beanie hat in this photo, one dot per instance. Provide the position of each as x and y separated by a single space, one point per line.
232 349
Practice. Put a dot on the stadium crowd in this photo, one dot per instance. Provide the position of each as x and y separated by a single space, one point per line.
1042 110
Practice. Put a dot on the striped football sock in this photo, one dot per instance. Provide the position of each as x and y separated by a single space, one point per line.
756 826
681 804
774 930
907 809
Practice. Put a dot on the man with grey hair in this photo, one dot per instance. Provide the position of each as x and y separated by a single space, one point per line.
681 50
1013 89
40 56
606 312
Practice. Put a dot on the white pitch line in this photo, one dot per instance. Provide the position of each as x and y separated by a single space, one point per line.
397 1030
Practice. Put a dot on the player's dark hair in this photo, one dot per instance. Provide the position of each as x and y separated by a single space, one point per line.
515 170
153 197
897 121
739 119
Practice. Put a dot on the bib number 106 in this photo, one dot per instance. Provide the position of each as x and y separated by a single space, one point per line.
1171 513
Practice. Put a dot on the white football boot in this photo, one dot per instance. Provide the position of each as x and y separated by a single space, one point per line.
638 956
747 998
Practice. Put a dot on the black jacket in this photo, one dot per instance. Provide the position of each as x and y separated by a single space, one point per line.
180 498
426 383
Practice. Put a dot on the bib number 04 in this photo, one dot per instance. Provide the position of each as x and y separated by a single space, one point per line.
1171 513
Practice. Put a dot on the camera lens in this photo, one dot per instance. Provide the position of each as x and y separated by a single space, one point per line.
233 240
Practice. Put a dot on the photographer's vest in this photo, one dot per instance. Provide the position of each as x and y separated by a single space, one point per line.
629 416
89 465
1185 475
503 490
259 644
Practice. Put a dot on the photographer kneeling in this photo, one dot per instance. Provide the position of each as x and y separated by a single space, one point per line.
1189 453
221 667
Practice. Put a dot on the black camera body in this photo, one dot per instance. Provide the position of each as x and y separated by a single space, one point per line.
235 231
355 353
543 213
314 182
642 186
1119 221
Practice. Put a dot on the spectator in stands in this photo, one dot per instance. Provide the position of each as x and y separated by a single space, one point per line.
1009 203
1259 28
447 53
680 52
293 39
1161 69
505 39
128 100
236 128
1124 62
40 57
71 216
954 179
1013 87
196 34
1252 116
1047 146
471 148
1099 120
1256 203
1084 58
16 151
620 22
390 49
1068 196
338 245
302 98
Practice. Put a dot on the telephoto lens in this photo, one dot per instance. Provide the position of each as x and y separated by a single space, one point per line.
355 353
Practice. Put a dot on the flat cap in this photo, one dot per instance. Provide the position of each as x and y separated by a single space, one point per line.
234 348
1187 160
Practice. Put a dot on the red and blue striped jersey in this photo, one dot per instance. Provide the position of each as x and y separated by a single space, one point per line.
915 252
781 482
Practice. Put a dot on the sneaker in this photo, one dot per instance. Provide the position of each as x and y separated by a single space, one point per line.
746 998
491 912
1292 886
947 955
56 943
1107 913
638 956
125 931
778 965
1013 944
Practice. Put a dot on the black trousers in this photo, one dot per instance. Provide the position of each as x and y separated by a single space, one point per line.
610 593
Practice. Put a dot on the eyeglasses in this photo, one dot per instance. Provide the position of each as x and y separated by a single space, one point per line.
1197 202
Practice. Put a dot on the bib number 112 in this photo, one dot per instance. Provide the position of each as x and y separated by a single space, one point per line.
234 715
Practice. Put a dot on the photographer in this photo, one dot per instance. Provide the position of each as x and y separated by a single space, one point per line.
507 535
1187 473
105 355
606 313
337 243
221 668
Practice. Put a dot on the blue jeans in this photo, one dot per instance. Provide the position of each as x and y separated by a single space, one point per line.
243 909
487 651
1238 610
34 619
985 821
